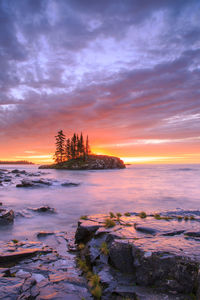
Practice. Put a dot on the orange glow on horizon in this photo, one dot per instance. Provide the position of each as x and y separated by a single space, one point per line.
127 157
47 159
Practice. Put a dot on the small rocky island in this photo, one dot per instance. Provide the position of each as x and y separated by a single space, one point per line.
75 154
91 162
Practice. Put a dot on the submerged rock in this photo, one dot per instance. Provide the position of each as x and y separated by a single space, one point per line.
68 184
6 216
34 183
16 171
43 209
7 179
43 234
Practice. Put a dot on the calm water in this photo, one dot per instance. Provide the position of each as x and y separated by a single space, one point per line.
142 187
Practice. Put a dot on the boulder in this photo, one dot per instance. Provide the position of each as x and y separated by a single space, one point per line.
166 271
68 184
16 171
6 217
120 255
85 231
44 209
34 183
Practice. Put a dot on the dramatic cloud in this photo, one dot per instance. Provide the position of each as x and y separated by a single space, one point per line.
125 72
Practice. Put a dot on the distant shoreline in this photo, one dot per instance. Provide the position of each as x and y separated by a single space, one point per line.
16 163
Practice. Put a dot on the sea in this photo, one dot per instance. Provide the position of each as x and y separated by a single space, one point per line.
149 188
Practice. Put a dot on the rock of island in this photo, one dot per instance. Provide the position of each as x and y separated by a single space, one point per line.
92 162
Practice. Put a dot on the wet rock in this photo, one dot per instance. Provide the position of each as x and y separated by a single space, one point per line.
172 233
25 183
3 171
38 277
10 288
26 288
6 217
48 275
7 273
7 179
16 171
44 209
19 254
85 231
43 234
37 174
143 293
68 184
166 271
106 276
34 183
154 253
193 234
120 255
146 230
22 274
23 214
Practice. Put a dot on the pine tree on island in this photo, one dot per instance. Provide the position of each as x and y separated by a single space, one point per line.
87 148
71 148
60 153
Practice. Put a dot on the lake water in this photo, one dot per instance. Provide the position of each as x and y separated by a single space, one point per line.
150 188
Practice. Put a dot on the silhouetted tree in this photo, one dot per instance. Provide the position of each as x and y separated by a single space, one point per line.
59 155
87 147
71 147
74 146
82 147
68 149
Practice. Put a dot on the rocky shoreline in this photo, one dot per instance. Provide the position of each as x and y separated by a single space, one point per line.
92 162
24 179
114 256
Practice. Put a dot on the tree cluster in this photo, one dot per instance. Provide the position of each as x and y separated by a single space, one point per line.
70 148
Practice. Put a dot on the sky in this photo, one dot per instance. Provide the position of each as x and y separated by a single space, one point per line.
125 72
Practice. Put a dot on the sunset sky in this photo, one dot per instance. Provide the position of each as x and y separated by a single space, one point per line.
127 73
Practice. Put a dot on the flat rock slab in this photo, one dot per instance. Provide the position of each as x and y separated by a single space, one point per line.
41 270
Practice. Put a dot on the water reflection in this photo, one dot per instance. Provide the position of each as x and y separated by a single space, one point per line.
150 188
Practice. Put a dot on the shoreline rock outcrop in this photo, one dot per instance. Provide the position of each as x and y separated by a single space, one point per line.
92 162
160 262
